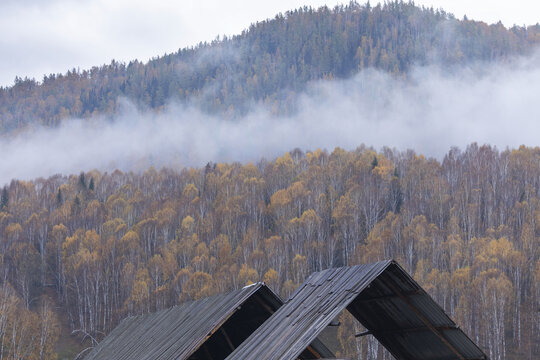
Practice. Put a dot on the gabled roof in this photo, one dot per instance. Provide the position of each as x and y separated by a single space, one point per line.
382 296
209 328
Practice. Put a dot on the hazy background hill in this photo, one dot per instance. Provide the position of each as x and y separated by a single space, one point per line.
268 63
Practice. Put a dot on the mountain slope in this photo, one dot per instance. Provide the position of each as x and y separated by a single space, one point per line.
268 63
107 246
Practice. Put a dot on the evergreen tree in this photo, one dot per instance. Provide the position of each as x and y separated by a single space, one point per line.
82 181
4 200
59 199
374 162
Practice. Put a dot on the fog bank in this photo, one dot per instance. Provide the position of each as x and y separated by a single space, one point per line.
434 109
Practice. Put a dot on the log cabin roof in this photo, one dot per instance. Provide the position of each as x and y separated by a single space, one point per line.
382 296
209 328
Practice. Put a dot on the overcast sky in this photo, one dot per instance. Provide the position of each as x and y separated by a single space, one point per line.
50 36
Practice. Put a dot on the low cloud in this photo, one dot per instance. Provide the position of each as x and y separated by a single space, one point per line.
434 109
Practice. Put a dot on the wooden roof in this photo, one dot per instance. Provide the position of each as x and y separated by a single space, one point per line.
209 328
382 296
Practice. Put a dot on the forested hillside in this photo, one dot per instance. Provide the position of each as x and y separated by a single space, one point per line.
268 63
78 253
110 245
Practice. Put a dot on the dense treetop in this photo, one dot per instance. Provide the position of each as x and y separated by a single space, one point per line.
105 246
268 63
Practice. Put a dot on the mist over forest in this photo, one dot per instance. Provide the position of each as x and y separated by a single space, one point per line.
432 110
319 138
269 63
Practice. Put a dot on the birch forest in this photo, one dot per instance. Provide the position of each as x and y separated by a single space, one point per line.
103 246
